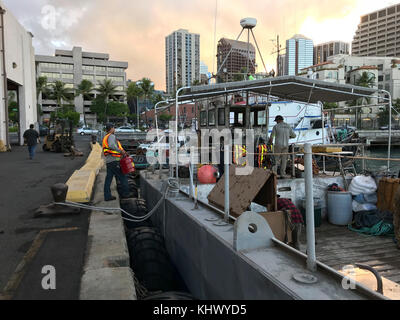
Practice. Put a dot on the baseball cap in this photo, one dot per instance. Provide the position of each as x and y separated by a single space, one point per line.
109 126
278 118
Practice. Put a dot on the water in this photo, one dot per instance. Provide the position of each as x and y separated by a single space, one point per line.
380 166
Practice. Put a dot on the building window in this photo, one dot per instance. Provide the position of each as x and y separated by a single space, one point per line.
211 117
87 68
119 79
67 66
67 76
112 69
50 75
87 77
49 65
221 116
387 77
100 78
100 68
203 118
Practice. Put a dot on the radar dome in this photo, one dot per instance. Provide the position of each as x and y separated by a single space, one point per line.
248 23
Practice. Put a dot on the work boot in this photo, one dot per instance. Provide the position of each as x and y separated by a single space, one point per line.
112 198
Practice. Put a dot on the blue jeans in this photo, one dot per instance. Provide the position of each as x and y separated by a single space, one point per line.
31 150
113 169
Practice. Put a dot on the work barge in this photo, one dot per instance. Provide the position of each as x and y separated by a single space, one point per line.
225 249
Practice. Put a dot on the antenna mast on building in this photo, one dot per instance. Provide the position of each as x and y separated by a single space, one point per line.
278 51
249 24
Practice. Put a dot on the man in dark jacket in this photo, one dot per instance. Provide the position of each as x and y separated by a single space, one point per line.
31 138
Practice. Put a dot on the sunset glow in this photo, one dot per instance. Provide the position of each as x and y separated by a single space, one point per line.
135 31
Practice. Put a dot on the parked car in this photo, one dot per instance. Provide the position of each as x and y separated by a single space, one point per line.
43 130
126 129
86 130
394 127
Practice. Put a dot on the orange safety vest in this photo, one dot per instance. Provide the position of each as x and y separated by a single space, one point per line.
107 151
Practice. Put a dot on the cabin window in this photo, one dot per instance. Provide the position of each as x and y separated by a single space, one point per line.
317 124
231 117
221 116
211 117
261 118
203 118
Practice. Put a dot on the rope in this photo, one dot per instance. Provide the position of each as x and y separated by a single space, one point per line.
173 186
380 229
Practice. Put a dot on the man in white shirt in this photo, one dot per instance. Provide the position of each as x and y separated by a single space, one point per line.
282 133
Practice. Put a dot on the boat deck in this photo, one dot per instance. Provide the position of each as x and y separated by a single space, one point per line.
337 246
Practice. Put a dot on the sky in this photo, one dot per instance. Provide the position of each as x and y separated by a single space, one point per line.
135 31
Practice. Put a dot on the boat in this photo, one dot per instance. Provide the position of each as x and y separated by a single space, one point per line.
221 256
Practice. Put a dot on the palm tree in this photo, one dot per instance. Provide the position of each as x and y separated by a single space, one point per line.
133 92
60 93
106 90
367 79
41 86
147 87
85 88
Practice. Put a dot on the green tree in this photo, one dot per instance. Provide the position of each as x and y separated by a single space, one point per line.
114 109
107 89
41 87
67 113
85 88
133 93
383 116
60 93
13 111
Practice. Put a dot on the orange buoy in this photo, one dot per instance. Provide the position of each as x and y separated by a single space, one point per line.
207 174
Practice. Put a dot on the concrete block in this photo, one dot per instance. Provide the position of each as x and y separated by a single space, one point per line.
80 186
108 284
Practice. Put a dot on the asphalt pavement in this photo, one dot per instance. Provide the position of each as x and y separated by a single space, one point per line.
28 244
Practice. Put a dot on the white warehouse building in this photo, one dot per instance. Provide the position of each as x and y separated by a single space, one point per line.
17 64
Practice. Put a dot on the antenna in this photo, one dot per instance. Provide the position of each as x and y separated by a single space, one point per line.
249 24
215 33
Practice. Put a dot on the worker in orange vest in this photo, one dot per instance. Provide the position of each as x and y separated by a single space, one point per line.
113 152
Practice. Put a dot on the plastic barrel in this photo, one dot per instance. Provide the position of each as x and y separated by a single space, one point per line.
340 211
317 211
150 261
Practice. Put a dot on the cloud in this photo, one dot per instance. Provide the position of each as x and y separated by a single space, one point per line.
135 31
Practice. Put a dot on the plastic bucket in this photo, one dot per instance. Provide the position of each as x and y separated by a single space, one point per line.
340 210
317 211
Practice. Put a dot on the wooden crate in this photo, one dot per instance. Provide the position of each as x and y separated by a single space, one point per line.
259 187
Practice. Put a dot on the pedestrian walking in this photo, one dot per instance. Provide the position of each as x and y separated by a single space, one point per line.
31 139
113 152
282 133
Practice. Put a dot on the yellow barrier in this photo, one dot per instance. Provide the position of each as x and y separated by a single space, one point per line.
80 184
2 146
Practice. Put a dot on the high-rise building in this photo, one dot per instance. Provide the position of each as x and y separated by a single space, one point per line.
73 66
237 61
182 59
377 34
281 65
299 54
324 50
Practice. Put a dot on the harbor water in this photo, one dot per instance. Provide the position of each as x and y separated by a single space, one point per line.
380 166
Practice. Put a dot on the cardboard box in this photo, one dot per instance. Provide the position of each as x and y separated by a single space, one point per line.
276 221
